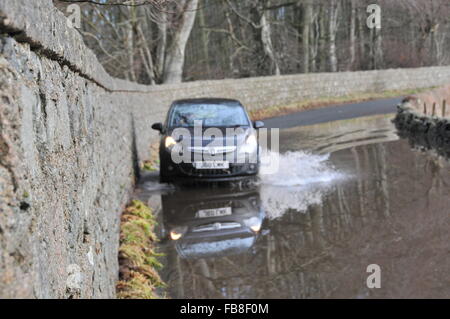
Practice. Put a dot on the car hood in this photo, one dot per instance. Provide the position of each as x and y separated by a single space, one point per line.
210 135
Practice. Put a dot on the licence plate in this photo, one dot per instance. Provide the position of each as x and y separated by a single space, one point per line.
217 212
212 165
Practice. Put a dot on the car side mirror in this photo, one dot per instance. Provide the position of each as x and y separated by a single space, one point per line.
258 124
157 127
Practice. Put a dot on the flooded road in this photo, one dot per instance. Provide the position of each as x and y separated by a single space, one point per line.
348 194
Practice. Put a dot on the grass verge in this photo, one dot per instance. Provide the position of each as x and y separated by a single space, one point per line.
138 260
310 104
152 164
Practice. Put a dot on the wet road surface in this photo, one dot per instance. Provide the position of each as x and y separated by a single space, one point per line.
335 113
348 194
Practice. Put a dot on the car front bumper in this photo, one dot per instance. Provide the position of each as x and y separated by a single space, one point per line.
171 171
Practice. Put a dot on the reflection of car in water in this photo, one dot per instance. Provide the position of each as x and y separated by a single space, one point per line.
212 222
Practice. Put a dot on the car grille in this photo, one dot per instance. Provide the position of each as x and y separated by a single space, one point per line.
212 150
190 170
216 227
210 205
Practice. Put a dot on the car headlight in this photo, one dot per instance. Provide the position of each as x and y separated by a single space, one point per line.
254 223
251 141
250 145
256 228
177 232
170 141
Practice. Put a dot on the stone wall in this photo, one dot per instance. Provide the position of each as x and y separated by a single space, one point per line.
68 151
425 119
71 138
432 103
263 92
67 154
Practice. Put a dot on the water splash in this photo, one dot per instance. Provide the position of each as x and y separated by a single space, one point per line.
301 180
296 169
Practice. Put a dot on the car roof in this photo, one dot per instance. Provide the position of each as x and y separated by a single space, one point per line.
207 101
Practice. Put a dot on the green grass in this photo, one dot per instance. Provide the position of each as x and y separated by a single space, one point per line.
138 258
152 164
149 166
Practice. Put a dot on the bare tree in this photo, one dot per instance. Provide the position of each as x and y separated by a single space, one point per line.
266 39
333 11
352 36
307 21
173 71
169 41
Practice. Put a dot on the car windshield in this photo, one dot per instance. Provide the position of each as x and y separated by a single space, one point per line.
211 115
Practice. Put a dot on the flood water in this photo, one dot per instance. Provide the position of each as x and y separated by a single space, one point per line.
348 194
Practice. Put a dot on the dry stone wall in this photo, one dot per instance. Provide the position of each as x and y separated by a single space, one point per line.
425 119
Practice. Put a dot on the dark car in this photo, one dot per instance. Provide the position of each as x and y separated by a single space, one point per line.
213 222
208 140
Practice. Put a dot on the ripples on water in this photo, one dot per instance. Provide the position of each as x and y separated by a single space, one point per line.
319 214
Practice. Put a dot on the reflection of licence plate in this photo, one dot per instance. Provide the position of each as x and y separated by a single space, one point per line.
217 212
212 165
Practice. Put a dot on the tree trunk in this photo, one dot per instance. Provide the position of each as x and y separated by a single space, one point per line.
361 37
314 45
307 19
333 20
173 72
266 39
146 57
352 35
378 50
130 41
205 39
323 56
162 45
